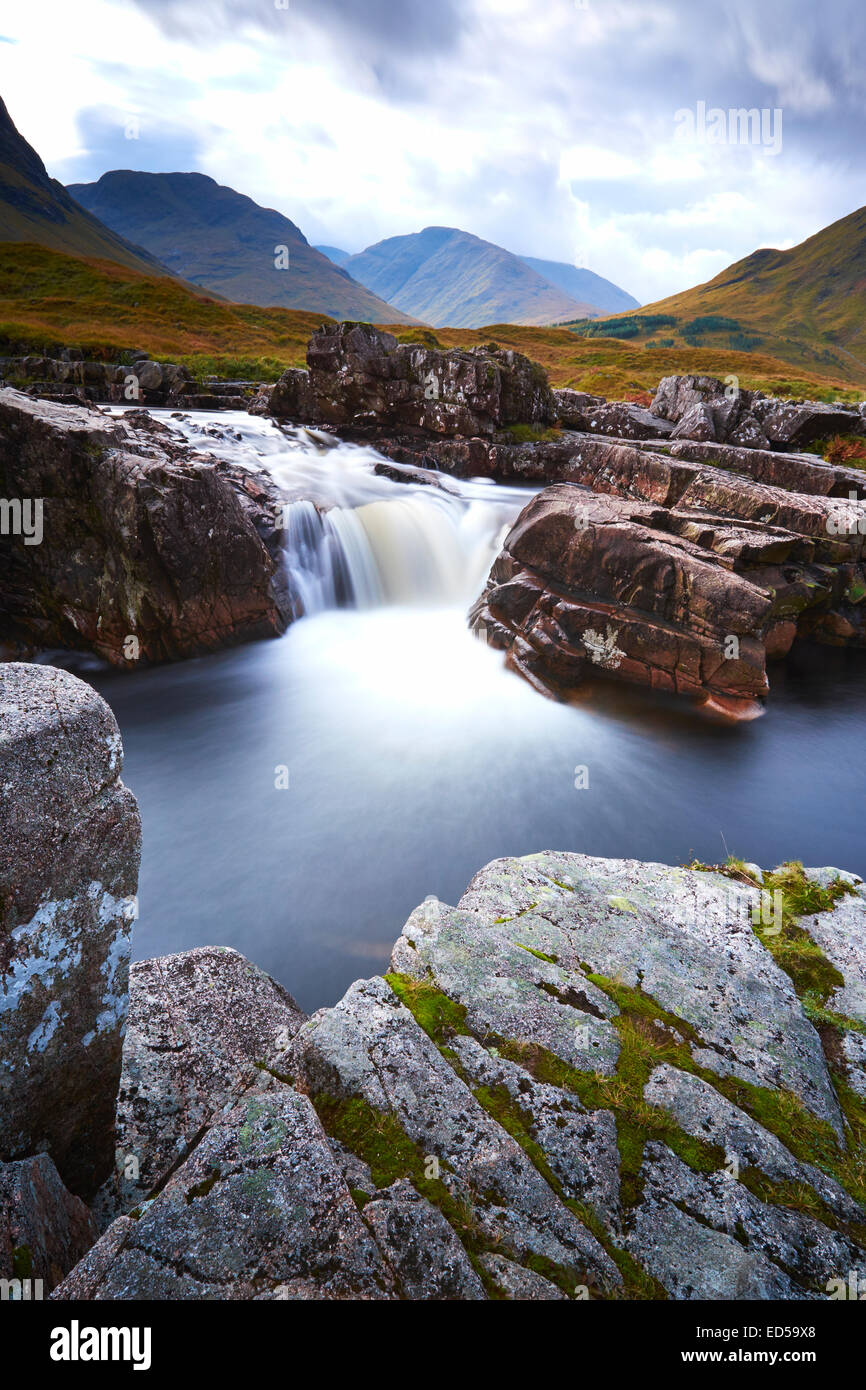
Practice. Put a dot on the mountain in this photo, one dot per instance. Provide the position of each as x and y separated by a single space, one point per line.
807 305
334 254
36 208
222 240
450 278
584 285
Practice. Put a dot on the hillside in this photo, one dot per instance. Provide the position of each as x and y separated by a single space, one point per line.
445 276
223 241
584 285
806 306
49 300
36 208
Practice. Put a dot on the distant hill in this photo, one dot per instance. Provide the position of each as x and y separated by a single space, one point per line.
450 278
806 305
334 254
584 285
38 209
222 240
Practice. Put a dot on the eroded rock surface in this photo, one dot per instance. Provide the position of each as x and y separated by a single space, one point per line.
199 1021
360 376
146 550
589 1078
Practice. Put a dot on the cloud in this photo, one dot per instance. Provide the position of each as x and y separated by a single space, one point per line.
548 129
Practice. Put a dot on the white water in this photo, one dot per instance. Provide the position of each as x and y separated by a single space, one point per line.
370 541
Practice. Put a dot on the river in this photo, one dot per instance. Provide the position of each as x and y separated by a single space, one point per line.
301 796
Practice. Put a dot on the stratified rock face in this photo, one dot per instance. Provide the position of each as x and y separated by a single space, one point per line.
145 550
70 841
590 1077
44 1230
360 376
684 572
198 1023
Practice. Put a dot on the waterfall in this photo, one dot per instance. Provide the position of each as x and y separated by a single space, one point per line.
367 540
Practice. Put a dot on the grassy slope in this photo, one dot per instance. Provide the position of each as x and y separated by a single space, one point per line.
615 369
48 299
806 306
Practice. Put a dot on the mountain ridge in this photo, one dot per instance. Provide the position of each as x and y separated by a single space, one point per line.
451 278
225 242
37 209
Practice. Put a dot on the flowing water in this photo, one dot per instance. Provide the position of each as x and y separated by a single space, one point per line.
413 757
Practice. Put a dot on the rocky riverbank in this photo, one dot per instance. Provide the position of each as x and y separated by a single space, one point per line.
686 545
681 546
587 1079
138 547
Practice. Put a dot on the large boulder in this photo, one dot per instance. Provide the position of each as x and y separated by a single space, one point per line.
685 570
199 1022
360 376
70 841
146 550
704 408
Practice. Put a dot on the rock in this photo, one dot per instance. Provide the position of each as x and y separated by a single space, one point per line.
684 938
555 1083
571 407
369 1048
148 549
258 1211
71 840
691 593
696 423
841 934
791 426
580 1146
519 1284
198 1023
687 1233
706 408
360 376
597 584
624 420
701 1111
44 1230
420 1247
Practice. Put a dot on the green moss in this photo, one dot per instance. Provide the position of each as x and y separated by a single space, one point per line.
360 1197
551 960
22 1262
438 1015
201 1189
530 434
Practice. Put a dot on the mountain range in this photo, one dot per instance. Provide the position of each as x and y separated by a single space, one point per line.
583 286
221 240
445 276
37 209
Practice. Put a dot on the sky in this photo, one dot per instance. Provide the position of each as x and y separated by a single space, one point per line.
571 130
